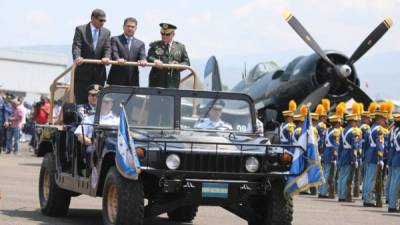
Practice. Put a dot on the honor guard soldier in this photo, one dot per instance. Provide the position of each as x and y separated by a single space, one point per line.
287 127
387 170
166 51
213 121
298 120
366 130
329 157
394 159
89 108
374 157
351 138
321 127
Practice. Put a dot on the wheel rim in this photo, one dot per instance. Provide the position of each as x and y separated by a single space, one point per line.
46 185
112 203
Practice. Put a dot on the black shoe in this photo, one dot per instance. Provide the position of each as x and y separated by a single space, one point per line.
342 200
392 210
322 196
368 204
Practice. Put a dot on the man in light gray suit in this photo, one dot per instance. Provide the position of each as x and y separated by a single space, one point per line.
126 47
91 41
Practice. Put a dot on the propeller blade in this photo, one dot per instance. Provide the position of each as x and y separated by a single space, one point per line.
315 97
358 94
371 40
302 32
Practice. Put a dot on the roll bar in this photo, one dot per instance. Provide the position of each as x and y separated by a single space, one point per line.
69 96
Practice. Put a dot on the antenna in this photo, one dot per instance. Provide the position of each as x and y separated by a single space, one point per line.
244 73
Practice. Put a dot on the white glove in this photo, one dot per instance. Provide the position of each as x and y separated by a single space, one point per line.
334 162
356 164
381 164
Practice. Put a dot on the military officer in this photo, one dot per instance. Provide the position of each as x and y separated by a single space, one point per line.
329 157
89 108
394 158
298 120
374 156
166 51
213 121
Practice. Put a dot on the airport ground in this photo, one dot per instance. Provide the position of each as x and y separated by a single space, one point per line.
19 204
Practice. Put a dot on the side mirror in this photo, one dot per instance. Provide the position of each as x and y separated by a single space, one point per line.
270 122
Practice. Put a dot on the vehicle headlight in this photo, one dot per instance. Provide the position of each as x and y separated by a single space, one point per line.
252 164
173 161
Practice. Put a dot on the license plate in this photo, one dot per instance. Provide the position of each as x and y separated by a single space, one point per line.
214 190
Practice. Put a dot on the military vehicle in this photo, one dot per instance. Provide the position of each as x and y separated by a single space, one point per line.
182 165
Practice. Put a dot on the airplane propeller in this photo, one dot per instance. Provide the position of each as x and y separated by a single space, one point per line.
338 72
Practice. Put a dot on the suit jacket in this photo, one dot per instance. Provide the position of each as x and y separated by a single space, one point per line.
125 75
82 47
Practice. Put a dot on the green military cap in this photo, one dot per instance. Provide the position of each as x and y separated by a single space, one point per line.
167 28
94 89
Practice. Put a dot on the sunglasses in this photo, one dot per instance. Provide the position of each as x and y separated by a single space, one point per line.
164 34
102 20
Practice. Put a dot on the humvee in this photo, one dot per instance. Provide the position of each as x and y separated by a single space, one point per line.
182 165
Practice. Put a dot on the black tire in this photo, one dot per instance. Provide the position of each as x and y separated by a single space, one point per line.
129 199
276 209
183 214
54 201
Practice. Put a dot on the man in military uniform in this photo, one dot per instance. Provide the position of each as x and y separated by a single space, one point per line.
351 138
213 121
89 108
394 159
329 157
166 51
374 156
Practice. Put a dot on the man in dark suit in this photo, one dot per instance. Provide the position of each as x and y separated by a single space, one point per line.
126 47
91 41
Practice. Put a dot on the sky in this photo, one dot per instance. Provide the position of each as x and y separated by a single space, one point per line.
236 31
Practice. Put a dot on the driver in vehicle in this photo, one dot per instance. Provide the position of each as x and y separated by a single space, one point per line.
213 121
84 132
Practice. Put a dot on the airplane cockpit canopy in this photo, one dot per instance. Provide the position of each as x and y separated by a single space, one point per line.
261 69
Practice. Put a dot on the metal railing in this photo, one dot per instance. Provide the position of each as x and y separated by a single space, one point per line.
69 94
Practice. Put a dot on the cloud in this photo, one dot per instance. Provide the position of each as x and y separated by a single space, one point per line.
204 17
39 18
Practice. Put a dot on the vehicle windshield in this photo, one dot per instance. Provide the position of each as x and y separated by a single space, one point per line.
157 111
142 110
215 114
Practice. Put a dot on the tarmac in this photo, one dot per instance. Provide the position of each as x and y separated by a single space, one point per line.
19 204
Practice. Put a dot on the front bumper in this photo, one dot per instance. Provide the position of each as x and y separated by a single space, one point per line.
214 192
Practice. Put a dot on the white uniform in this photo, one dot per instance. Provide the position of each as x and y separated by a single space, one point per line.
108 119
206 123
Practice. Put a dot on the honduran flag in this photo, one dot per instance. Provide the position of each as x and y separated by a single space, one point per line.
126 159
306 170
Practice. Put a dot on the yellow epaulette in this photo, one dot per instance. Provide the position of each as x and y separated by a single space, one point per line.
322 125
385 131
298 131
291 127
357 131
337 132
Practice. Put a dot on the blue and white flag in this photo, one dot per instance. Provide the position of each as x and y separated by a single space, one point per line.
305 165
126 159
